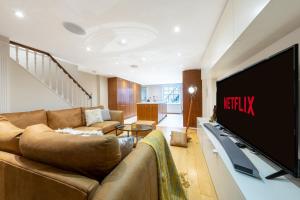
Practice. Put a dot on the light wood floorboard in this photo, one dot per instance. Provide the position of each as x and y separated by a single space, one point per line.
191 161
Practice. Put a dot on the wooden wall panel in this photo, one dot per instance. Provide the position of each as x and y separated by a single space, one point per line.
123 95
192 77
112 93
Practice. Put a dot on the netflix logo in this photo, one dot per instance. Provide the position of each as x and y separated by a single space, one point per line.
240 104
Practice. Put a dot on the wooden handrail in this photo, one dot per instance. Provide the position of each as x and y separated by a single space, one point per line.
54 60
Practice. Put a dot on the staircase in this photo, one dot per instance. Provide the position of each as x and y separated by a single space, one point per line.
43 66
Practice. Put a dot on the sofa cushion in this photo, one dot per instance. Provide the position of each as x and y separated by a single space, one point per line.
68 118
93 116
178 139
106 115
106 126
83 109
88 128
24 119
9 136
93 156
117 115
126 145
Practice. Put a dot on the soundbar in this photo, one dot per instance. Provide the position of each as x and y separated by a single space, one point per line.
240 161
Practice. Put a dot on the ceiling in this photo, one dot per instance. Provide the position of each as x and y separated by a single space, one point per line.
119 33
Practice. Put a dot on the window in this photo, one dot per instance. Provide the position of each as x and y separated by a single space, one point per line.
172 94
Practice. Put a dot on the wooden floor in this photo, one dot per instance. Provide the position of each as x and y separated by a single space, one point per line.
191 163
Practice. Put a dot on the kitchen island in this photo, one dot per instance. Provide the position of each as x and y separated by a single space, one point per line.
151 111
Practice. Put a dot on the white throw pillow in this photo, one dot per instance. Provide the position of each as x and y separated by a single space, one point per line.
93 116
106 115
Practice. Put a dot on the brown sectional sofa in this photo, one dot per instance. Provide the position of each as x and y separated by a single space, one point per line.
134 177
67 118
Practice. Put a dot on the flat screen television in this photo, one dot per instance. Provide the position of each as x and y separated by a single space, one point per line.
260 106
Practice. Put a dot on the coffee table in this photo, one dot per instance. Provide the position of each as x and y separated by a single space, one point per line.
134 129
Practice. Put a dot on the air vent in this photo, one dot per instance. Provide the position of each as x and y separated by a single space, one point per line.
74 28
134 66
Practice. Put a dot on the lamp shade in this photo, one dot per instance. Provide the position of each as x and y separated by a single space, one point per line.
192 90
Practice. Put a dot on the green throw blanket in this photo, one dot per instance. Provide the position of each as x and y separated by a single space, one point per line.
170 187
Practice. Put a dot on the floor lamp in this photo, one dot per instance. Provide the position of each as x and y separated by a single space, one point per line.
192 91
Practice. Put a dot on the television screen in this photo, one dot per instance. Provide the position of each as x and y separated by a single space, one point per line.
259 105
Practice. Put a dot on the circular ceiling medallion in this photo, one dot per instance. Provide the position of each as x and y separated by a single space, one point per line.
119 37
74 28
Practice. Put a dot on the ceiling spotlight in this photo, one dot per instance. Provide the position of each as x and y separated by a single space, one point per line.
19 14
144 59
123 42
179 54
88 48
117 63
177 29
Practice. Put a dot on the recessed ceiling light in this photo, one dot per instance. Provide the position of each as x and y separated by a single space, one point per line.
117 63
19 14
88 48
179 54
177 29
144 59
123 41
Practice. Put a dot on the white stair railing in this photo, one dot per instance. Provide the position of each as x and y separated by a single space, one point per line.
49 71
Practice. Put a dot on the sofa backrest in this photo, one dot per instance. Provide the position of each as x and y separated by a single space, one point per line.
24 119
68 118
83 109
92 156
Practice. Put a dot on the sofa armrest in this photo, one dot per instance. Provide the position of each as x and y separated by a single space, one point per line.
117 115
21 178
134 178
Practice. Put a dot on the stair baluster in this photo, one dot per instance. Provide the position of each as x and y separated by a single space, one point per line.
51 73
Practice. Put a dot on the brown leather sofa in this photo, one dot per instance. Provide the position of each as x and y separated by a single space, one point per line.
67 118
134 177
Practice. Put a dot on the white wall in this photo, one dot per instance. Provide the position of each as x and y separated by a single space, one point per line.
4 53
156 90
208 93
236 17
26 93
86 80
103 91
288 40
89 82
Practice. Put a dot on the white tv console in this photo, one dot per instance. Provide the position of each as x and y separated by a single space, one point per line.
233 185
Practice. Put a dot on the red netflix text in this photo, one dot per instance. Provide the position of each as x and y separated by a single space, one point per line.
241 104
